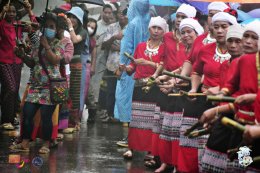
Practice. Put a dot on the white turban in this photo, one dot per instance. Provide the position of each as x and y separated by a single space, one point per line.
188 10
254 27
193 24
220 6
160 22
222 16
235 31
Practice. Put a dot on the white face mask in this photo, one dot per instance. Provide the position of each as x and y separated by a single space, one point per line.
90 31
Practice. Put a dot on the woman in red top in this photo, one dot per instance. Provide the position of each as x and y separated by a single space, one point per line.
248 69
148 56
212 56
218 144
10 65
204 39
174 57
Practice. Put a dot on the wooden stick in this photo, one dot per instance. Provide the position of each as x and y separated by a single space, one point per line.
221 99
193 127
175 95
129 56
228 122
175 75
256 159
198 133
191 94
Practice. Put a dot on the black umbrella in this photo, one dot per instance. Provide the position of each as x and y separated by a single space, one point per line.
97 2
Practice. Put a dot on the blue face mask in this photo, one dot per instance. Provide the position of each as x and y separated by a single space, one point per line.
49 33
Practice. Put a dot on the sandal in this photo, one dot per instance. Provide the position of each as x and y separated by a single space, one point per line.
68 130
148 157
128 154
44 150
77 127
54 144
152 164
8 126
19 147
60 137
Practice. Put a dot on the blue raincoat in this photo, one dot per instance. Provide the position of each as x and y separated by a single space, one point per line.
135 33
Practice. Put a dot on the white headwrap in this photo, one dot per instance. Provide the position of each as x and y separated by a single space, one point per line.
222 16
254 27
193 24
188 10
220 6
235 31
160 22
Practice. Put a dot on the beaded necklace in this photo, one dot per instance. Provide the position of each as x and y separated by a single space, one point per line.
208 40
220 57
151 51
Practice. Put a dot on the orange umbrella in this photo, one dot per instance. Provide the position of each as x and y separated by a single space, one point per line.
239 1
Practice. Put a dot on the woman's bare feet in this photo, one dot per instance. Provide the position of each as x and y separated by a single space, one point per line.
162 168
128 154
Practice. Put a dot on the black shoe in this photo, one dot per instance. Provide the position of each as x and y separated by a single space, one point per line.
16 122
90 120
91 115
123 143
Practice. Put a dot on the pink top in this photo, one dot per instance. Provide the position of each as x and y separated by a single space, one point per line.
8 42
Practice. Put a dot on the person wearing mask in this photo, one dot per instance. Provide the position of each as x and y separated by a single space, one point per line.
78 36
95 81
91 67
49 54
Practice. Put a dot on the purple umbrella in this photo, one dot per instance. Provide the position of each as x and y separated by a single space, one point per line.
255 13
200 6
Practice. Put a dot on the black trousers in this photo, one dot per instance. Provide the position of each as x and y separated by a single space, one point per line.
10 76
29 111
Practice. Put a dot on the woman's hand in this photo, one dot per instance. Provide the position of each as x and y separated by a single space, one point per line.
27 5
159 80
208 115
251 132
19 52
212 91
118 36
44 42
141 61
68 21
167 86
245 99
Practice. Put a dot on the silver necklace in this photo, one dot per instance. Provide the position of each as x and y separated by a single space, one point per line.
219 57
208 40
151 52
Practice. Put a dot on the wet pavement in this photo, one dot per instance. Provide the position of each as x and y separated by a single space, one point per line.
92 149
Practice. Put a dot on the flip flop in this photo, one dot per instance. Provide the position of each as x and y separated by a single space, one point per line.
19 147
68 130
60 137
44 150
152 164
